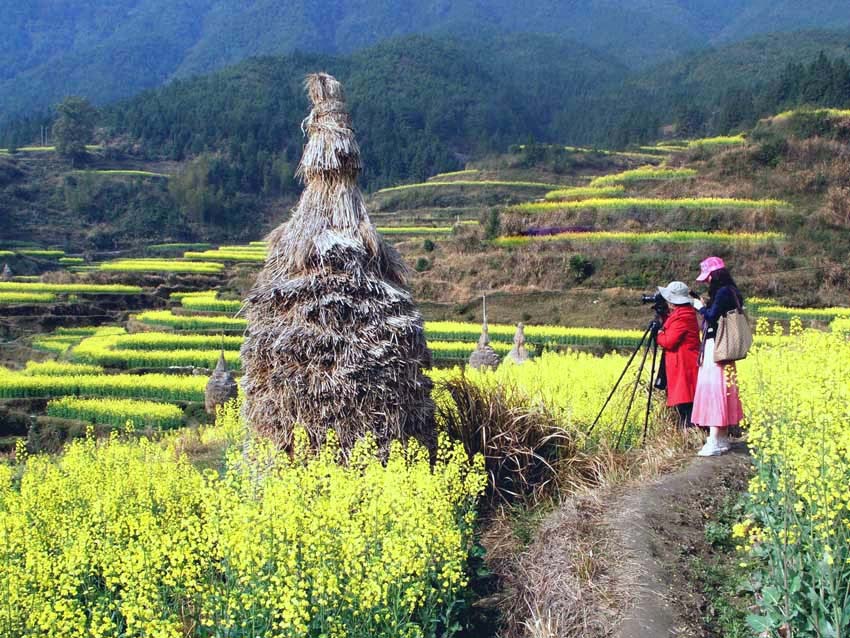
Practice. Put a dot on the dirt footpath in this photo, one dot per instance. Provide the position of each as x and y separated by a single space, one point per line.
661 527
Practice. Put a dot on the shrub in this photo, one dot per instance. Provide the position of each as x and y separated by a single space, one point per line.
581 267
492 227
428 245
422 264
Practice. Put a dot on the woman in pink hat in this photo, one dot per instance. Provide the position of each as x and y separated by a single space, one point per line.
717 404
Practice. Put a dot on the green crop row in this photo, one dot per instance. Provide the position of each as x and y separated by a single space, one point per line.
168 319
105 351
63 338
468 171
542 335
78 288
179 246
626 203
644 173
71 261
117 412
161 265
494 183
6 253
26 297
175 341
415 230
584 192
250 253
60 369
832 113
602 151
160 387
717 142
209 303
786 312
443 350
37 252
678 236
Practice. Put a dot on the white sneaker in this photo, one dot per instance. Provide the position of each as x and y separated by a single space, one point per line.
711 448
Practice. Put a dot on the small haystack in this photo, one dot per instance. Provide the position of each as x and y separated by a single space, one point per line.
334 340
7 273
221 387
518 353
484 356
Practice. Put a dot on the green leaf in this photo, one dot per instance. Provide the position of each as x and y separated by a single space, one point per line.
772 595
760 624
827 629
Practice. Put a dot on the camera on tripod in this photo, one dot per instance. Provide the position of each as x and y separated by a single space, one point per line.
659 304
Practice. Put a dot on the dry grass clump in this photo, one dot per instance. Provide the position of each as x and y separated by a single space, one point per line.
573 578
523 445
334 341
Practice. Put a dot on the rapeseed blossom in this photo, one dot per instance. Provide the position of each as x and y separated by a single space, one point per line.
127 538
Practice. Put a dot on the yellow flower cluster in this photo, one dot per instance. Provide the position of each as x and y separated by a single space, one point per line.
573 386
644 173
798 527
127 538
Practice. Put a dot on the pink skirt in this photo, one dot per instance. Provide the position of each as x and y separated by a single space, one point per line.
716 402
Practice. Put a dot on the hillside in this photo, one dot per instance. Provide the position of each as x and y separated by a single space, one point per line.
108 51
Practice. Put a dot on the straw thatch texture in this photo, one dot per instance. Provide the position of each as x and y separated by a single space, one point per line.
334 341
484 356
518 353
7 273
221 387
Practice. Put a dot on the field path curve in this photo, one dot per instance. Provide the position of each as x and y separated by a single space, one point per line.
661 528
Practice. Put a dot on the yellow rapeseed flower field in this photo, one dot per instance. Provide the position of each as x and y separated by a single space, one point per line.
125 538
797 394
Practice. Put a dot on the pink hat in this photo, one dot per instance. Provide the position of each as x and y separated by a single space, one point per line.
708 266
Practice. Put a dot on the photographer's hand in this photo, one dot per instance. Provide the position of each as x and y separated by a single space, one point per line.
654 326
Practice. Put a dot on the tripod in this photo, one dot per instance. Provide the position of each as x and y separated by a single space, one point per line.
647 342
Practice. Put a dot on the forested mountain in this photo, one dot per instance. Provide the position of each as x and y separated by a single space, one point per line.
425 104
108 50
720 89
420 104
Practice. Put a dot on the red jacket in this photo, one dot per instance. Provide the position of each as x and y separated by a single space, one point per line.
679 336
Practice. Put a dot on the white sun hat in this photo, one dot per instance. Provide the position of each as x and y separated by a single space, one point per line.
676 292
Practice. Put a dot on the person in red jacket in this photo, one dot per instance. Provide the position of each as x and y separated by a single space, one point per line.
679 336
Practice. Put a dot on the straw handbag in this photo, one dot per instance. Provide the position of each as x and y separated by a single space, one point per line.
734 336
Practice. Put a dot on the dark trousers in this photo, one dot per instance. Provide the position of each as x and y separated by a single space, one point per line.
684 410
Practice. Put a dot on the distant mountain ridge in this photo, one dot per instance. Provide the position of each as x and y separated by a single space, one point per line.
109 50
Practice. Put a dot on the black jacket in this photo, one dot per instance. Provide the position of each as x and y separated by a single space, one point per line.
726 299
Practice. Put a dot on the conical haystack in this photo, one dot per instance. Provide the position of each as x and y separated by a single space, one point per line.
221 387
334 341
6 274
484 356
518 353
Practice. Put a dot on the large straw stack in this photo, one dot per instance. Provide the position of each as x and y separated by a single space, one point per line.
6 274
334 341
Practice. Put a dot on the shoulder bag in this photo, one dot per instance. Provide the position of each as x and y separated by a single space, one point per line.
734 335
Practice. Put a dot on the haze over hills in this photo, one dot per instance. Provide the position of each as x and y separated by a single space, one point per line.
109 50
